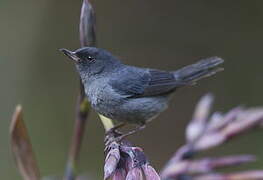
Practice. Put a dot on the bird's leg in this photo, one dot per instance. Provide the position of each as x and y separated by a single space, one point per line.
113 136
113 133
137 129
117 126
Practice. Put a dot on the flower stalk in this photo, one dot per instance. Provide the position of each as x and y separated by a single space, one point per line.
87 38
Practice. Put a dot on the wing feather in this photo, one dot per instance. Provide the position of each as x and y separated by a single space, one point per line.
149 82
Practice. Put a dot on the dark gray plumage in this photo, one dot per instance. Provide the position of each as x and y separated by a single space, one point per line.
132 94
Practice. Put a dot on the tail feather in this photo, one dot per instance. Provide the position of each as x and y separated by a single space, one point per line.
204 68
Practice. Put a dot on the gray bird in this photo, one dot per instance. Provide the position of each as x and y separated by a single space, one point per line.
131 94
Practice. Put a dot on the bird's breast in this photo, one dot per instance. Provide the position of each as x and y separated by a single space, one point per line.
103 99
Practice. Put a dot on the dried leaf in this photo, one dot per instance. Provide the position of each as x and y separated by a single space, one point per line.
22 149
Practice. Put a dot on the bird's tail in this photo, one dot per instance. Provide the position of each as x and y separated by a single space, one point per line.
204 68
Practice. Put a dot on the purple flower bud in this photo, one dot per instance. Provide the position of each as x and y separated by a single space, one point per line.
135 174
198 124
252 175
150 173
119 174
124 161
135 158
209 140
111 162
246 120
87 25
217 123
255 174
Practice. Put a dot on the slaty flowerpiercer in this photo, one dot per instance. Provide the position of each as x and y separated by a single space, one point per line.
130 94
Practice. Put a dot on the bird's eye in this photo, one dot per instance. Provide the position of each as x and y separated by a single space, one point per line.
90 58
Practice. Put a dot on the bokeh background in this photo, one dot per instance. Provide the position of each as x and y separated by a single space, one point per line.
149 33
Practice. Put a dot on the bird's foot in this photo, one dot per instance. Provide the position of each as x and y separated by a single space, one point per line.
113 132
113 136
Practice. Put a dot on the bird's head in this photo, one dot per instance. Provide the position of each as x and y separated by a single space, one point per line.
91 61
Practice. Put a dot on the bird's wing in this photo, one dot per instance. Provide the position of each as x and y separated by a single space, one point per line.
147 82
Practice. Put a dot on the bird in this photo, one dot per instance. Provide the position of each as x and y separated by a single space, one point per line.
130 94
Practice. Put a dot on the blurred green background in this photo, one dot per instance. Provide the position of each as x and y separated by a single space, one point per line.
153 33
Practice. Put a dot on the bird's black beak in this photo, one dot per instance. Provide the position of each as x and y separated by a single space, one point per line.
70 54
